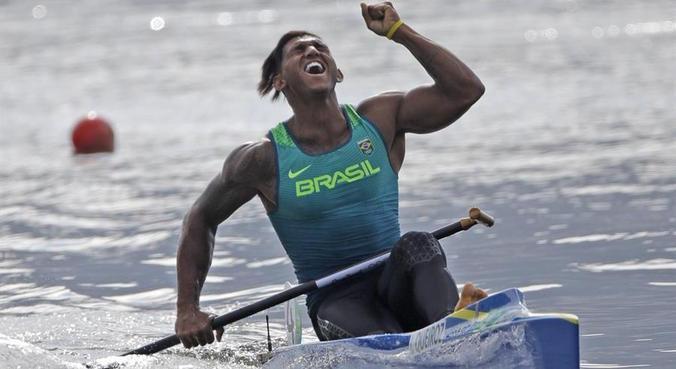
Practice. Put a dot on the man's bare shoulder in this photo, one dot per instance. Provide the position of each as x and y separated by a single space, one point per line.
250 163
382 111
383 104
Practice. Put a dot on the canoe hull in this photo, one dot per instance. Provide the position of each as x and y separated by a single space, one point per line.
496 332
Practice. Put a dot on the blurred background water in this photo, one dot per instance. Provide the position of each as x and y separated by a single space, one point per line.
573 149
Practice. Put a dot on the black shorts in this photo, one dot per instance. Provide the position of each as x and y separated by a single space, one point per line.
411 290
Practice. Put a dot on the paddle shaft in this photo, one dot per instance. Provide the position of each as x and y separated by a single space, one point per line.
300 289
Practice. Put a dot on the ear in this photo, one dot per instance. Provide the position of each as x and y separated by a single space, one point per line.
278 83
339 76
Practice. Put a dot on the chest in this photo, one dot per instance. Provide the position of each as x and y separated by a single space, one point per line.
310 185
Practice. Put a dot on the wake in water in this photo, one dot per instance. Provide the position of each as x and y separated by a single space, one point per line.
15 353
246 356
20 354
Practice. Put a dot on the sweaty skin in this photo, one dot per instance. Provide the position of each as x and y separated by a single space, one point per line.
319 126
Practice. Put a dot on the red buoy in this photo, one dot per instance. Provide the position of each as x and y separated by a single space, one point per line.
93 134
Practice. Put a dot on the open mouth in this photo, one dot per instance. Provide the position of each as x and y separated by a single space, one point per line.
314 67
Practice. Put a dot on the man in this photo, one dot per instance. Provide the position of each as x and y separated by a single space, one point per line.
327 178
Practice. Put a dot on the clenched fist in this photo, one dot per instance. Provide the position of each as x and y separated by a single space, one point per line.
379 18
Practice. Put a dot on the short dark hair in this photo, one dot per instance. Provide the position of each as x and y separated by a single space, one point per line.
273 63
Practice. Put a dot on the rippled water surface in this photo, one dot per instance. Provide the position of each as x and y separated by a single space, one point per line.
573 149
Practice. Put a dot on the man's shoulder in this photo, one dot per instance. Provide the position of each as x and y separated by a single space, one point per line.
383 103
381 109
250 161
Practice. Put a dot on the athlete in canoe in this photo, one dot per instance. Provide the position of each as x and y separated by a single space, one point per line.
327 178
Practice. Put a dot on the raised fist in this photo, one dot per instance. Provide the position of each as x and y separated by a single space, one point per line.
380 17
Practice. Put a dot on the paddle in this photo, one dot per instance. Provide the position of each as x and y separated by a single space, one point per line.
475 216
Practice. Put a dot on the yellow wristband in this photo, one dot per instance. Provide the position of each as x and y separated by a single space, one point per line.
394 28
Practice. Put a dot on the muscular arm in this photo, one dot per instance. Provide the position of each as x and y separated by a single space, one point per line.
456 88
244 174
426 108
219 200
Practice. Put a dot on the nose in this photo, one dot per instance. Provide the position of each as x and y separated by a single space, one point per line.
311 50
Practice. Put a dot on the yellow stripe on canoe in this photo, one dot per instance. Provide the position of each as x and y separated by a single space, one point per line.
468 314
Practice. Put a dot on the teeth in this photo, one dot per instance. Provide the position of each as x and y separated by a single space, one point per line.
314 64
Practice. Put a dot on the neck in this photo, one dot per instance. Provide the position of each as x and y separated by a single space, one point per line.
318 123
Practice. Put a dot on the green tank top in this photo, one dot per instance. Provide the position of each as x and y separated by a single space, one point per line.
336 208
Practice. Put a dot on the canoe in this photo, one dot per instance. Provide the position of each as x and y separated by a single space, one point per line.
495 332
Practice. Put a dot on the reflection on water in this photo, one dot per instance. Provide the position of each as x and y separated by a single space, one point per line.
663 284
654 264
571 149
148 299
611 237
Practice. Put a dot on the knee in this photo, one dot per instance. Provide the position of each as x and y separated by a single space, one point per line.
328 331
416 247
418 238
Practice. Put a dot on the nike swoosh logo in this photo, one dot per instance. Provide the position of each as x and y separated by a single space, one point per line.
293 175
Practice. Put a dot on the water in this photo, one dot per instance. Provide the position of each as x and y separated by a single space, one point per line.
572 149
